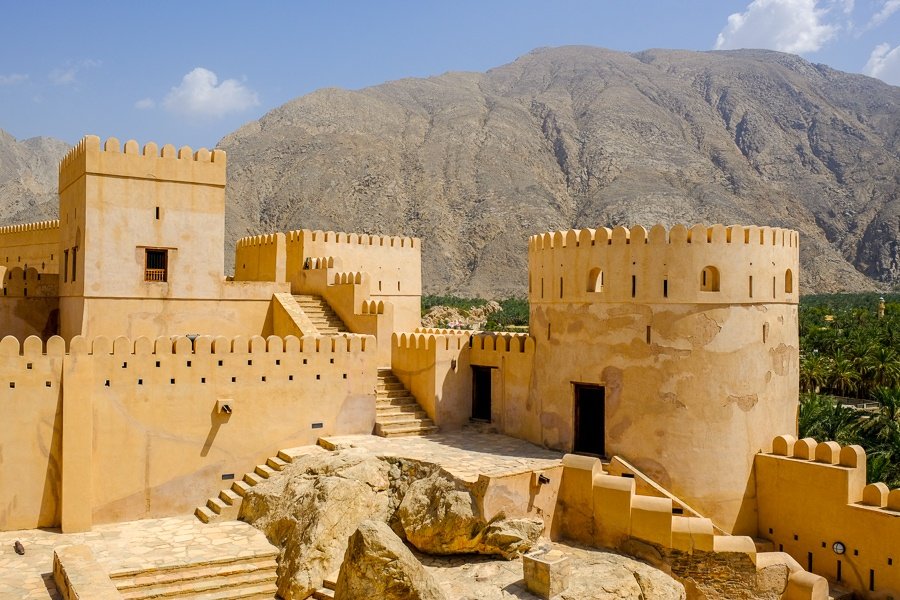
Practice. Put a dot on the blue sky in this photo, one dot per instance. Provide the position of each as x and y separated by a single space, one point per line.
191 72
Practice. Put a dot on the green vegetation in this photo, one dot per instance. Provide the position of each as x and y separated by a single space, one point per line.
512 316
462 304
849 356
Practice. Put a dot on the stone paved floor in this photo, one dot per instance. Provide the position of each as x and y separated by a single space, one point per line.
465 454
122 547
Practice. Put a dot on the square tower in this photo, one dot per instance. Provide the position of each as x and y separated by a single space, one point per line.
136 226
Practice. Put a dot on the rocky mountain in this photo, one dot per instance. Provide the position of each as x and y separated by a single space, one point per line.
581 137
28 178
473 163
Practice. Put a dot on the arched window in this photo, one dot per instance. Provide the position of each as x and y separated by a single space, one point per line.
788 282
709 279
595 280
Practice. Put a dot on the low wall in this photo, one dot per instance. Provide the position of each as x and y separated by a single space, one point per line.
812 495
601 510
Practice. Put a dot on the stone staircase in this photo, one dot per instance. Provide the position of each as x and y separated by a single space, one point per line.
397 413
326 592
227 504
251 577
321 314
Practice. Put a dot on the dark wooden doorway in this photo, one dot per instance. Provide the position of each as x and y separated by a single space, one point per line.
481 394
590 419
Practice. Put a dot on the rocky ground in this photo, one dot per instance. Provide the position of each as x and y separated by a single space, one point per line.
596 574
366 514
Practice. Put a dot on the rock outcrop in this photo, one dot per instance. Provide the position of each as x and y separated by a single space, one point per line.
440 515
356 507
378 565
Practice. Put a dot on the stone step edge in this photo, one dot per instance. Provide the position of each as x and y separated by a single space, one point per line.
256 567
266 591
224 560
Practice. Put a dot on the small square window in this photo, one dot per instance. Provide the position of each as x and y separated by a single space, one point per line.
47 383
189 363
12 384
318 376
290 377
29 366
277 362
203 380
263 378
172 381
157 364
304 361
220 363
345 376
140 382
234 380
250 362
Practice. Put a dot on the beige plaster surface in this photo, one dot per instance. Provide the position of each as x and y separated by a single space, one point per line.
135 545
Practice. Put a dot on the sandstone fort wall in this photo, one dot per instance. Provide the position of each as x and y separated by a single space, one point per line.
141 434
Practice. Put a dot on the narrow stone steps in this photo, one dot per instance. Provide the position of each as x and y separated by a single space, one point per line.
257 592
408 417
397 412
394 409
227 505
403 401
404 429
323 594
320 314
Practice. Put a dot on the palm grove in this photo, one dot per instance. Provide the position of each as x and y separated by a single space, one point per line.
850 376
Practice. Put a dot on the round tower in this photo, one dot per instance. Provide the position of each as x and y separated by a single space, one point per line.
676 350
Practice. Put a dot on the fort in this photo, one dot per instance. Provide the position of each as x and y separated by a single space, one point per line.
137 380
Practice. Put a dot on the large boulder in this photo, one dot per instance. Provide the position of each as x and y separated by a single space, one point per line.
440 515
378 565
312 508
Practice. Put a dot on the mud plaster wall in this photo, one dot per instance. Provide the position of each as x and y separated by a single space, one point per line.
691 407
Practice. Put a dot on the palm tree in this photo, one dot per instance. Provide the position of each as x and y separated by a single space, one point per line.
824 419
882 366
844 374
814 372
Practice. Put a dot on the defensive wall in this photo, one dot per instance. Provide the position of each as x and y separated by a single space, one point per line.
29 267
602 510
373 283
436 368
121 429
814 495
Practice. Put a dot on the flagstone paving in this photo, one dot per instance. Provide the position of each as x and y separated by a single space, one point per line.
136 545
465 454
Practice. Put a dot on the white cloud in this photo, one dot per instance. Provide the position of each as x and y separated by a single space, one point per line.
145 104
786 25
68 73
12 78
201 95
884 63
887 9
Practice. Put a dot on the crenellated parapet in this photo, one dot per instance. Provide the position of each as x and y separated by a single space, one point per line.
29 227
714 264
324 238
183 165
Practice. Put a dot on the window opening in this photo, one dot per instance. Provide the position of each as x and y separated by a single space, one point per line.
156 265
788 282
595 280
709 279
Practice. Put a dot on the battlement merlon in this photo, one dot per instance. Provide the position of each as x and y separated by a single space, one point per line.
203 167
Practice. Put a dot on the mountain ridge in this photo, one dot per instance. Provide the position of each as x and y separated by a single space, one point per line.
571 137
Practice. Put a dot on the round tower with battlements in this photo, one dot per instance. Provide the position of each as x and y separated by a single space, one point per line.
676 350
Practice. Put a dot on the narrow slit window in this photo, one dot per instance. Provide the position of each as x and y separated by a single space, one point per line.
633 286
74 263
157 213
65 265
665 288
156 265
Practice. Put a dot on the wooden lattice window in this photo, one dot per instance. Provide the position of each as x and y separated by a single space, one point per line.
156 265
